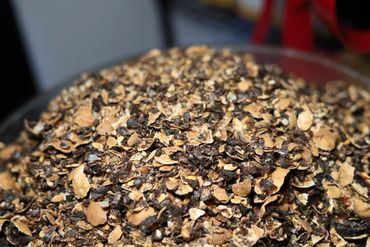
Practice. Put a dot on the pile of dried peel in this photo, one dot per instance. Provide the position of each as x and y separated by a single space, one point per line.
193 147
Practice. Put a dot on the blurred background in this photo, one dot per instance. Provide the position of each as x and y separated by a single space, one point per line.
49 42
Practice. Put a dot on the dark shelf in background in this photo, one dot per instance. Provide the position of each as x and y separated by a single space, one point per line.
17 81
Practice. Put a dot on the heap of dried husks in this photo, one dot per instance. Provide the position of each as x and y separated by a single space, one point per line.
191 147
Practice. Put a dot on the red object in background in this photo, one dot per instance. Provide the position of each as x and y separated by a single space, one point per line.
260 31
297 25
356 40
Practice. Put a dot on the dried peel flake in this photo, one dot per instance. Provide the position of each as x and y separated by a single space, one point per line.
84 225
196 213
161 197
59 197
115 235
95 214
219 193
244 85
346 174
225 211
135 195
145 143
21 223
255 110
185 229
63 146
325 139
292 119
267 140
184 189
316 239
336 239
219 237
196 50
308 182
332 191
238 126
305 120
361 208
163 138
249 238
80 183
230 167
282 104
361 190
105 127
165 160
83 117
206 137
303 223
252 69
111 142
7 182
153 117
172 183
242 188
165 168
278 177
268 201
134 138
136 218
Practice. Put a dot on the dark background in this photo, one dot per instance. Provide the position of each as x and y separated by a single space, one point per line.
17 81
